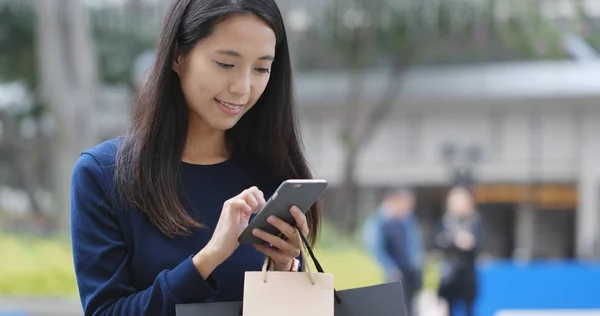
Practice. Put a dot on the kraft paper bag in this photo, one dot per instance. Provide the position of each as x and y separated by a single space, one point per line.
380 300
277 298
276 293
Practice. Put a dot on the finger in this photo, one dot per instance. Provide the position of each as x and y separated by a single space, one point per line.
274 253
260 198
286 247
239 205
248 195
300 218
288 230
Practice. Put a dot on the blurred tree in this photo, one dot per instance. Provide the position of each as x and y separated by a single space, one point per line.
589 26
16 44
68 80
405 33
21 142
119 45
114 49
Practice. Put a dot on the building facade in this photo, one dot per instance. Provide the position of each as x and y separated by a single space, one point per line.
536 126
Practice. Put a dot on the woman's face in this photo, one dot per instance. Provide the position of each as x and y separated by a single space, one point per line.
226 73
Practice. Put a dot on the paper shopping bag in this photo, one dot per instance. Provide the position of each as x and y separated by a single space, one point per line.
381 300
276 293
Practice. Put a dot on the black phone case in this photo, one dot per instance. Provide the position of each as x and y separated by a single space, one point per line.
289 193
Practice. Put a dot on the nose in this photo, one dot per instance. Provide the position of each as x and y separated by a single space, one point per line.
240 85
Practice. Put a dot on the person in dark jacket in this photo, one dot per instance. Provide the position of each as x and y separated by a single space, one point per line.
403 243
459 238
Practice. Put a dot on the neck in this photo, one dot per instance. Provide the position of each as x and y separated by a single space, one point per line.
204 145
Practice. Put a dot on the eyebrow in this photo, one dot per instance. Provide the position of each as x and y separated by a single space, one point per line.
233 53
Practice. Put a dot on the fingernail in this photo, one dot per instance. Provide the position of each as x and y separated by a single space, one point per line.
255 231
271 219
295 209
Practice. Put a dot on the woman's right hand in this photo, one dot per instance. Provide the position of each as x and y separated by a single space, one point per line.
234 219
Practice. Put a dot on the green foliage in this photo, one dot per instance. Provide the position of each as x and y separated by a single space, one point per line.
17 43
529 33
36 267
116 46
119 46
33 266
434 31
350 268
595 41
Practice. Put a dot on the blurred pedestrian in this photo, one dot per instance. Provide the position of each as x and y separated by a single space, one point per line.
393 238
459 238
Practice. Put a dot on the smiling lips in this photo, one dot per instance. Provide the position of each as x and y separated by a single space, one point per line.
229 108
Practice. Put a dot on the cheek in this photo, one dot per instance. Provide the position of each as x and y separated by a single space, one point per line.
198 85
259 88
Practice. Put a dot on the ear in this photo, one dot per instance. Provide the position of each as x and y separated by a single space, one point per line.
177 62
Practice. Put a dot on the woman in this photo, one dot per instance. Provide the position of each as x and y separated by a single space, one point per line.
459 238
156 213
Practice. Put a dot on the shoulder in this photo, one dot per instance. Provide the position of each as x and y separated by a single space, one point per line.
96 163
104 153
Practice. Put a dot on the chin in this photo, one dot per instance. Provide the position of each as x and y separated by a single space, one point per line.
224 125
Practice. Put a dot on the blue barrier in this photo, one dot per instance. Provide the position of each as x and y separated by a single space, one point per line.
537 285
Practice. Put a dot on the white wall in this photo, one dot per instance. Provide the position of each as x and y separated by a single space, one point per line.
518 145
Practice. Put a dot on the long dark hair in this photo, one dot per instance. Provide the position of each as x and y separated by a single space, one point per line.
149 157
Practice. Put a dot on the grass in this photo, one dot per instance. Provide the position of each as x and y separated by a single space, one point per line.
350 264
350 268
32 266
36 267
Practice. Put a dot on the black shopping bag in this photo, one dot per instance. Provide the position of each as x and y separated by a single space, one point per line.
378 300
216 309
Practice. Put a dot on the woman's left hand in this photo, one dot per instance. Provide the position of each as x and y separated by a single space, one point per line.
283 251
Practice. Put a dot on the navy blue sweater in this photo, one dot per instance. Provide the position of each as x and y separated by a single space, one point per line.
125 266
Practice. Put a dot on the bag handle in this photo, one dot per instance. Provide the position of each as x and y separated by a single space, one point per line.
317 264
303 257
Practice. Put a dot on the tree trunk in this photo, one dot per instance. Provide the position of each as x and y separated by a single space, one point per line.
23 161
345 214
385 104
347 206
67 65
347 211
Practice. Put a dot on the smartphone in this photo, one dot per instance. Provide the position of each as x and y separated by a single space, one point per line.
302 193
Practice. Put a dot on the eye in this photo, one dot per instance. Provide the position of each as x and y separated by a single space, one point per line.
263 70
224 66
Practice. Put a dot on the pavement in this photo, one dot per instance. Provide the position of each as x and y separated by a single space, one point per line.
33 306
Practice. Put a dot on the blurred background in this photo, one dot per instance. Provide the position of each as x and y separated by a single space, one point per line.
416 97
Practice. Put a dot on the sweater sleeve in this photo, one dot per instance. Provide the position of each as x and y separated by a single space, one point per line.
101 257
